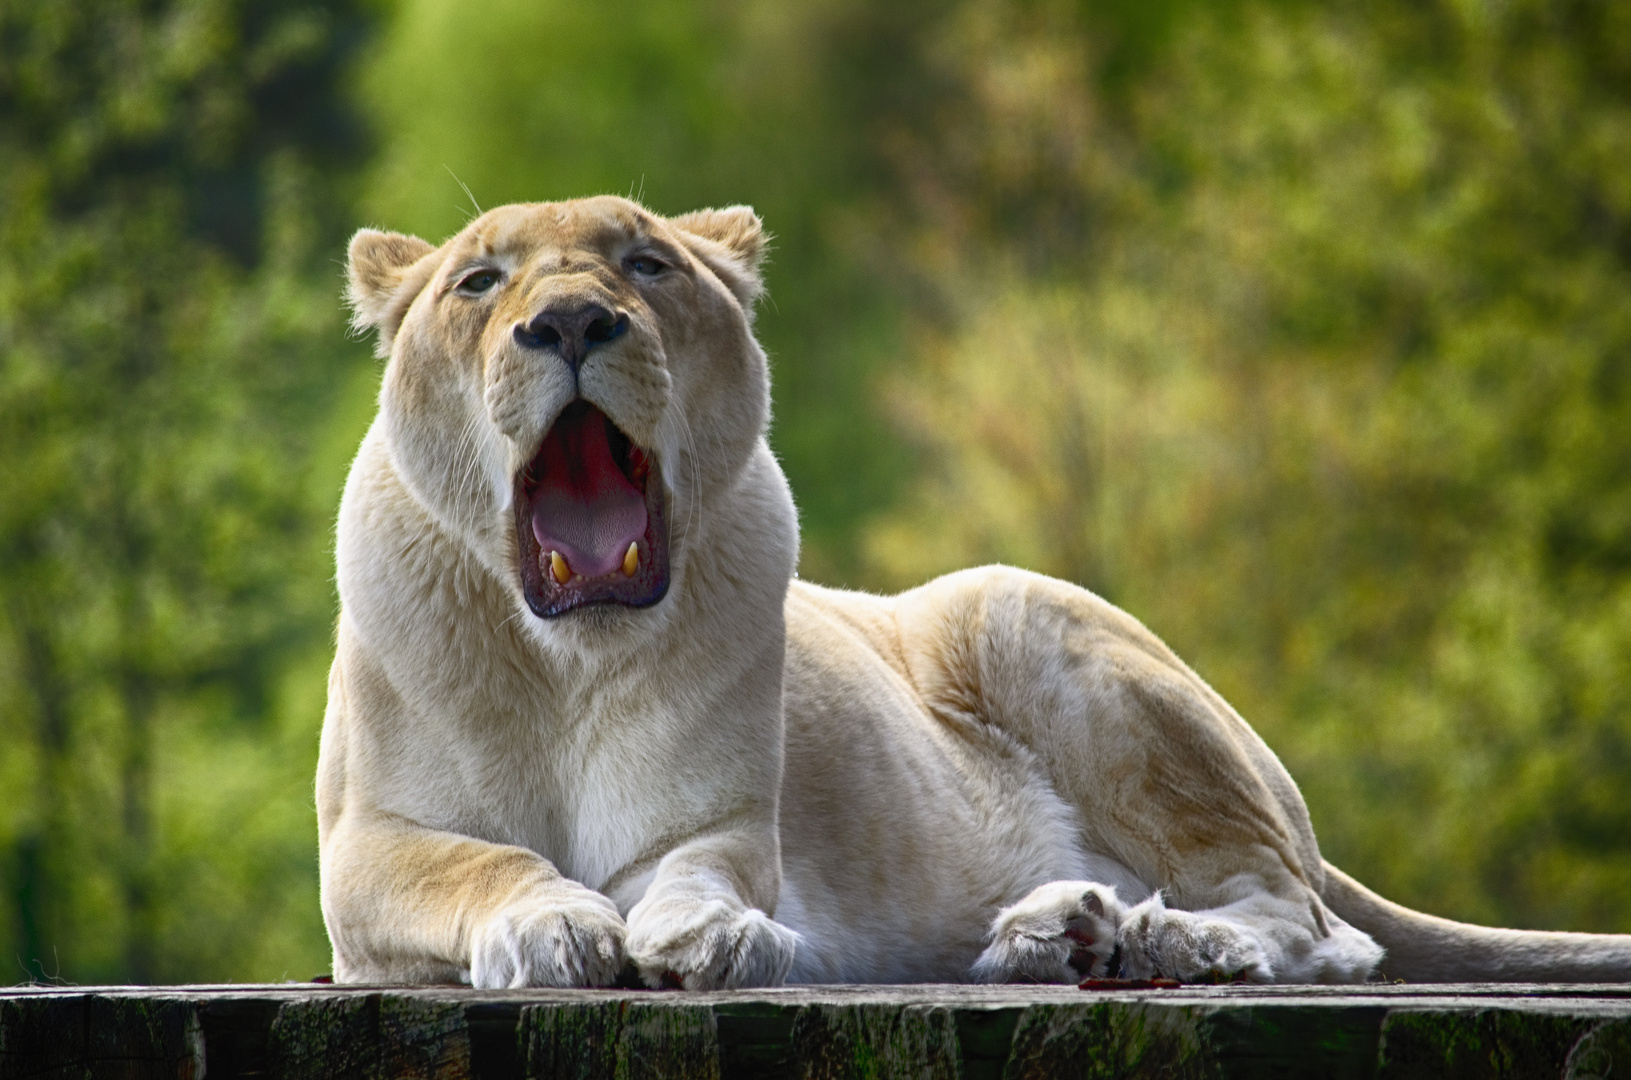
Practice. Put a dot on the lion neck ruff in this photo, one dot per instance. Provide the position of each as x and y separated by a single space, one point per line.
590 518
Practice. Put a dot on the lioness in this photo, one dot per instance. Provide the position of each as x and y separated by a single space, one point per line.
582 716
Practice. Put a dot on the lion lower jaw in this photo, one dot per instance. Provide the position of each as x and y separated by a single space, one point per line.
633 574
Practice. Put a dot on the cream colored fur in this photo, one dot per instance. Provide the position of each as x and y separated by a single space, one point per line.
995 776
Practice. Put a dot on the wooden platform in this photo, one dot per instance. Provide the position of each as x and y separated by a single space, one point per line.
922 1032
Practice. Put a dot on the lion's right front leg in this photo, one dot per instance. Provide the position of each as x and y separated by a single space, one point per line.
408 904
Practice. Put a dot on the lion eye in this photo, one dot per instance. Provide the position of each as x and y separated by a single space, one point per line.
479 282
647 265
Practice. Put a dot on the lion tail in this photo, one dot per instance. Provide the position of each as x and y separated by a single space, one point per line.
1425 948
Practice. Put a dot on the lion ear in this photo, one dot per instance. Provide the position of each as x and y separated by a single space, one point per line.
732 242
386 270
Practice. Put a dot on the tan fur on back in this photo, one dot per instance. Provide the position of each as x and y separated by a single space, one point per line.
994 776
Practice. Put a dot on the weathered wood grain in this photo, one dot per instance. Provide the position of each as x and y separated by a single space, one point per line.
370 1037
1483 1044
89 1035
820 1033
870 1041
621 1039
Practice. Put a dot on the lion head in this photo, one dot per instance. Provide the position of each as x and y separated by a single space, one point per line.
567 384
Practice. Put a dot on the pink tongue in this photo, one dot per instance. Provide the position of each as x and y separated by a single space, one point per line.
584 507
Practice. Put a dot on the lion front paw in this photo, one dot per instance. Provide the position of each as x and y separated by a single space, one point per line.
708 944
1063 931
577 942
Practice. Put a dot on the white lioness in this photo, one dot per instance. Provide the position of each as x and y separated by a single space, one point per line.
582 716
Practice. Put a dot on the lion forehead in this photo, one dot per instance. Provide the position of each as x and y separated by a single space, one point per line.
598 226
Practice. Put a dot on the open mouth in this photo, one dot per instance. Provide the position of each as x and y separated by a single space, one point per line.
590 518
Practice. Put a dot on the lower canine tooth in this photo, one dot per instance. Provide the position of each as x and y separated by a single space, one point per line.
558 568
631 560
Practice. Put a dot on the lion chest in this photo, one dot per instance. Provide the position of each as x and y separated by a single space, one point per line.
598 782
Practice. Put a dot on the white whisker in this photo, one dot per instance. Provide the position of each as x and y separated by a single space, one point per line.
513 616
467 192
694 508
469 481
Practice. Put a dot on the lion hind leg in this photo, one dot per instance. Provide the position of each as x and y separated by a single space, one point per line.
1261 939
1063 931
1156 940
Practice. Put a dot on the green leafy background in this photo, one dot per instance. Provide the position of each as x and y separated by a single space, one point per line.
1302 330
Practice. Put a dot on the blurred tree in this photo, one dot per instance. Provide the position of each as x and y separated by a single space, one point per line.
1314 351
173 193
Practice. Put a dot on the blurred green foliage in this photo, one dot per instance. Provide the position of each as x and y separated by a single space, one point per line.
1301 329
172 197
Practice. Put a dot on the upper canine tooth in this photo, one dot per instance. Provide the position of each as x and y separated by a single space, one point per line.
631 559
558 568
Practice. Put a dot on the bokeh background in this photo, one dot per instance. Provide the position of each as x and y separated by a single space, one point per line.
1300 329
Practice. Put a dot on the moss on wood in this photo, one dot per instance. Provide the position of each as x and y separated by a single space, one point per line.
1482 1044
369 1036
820 1033
876 1041
625 1040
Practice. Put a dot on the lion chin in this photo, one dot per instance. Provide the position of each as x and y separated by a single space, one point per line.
583 726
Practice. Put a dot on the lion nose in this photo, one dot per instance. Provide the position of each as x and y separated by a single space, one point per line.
571 331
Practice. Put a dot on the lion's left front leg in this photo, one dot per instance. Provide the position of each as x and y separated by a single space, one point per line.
702 920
